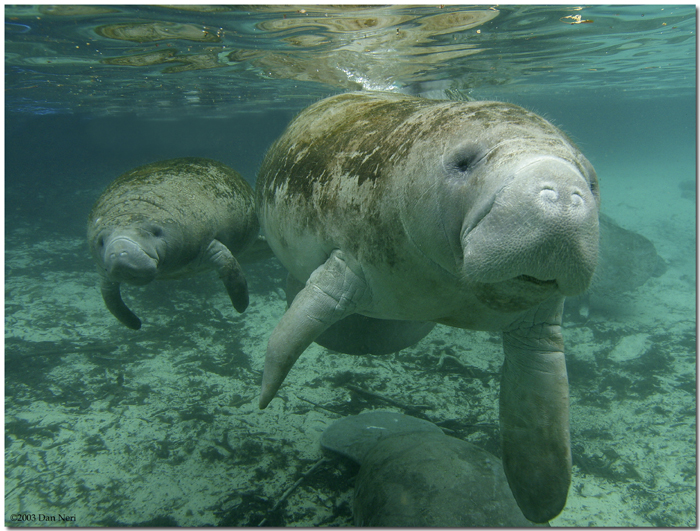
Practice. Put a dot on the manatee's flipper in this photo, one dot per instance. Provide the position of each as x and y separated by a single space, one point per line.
360 335
534 413
113 300
230 273
259 250
332 292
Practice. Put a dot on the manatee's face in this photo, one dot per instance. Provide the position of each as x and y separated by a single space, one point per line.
520 204
130 254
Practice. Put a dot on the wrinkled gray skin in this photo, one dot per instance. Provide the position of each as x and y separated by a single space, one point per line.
478 215
172 219
413 475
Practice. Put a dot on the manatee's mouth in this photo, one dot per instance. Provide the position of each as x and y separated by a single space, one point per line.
537 281
125 260
515 294
540 235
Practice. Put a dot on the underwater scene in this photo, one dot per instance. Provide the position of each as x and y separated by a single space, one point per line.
132 391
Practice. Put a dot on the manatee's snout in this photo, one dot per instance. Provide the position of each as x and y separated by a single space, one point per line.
542 227
126 261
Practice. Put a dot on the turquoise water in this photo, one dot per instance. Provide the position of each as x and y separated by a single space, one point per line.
116 427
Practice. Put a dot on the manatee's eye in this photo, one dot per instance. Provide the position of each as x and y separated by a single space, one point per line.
464 158
100 242
155 230
464 163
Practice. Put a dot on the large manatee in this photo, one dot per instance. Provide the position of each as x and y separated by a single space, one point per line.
172 219
478 215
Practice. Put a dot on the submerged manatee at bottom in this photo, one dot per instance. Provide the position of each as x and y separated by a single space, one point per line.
413 475
172 219
626 260
478 215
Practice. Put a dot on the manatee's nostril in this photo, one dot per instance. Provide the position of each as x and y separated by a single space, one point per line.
552 195
548 194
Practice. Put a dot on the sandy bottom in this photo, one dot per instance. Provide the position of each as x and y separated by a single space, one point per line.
107 426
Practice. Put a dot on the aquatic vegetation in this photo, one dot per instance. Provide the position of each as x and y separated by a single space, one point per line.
181 403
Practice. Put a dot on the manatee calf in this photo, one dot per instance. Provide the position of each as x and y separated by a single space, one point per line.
168 220
478 215
413 475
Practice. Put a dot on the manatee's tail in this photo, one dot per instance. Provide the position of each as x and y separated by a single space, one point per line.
113 300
